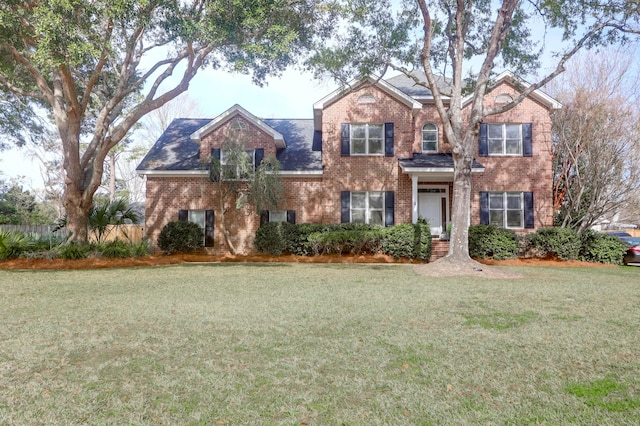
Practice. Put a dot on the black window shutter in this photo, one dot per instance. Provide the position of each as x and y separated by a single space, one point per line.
264 217
291 216
209 222
484 208
345 140
483 140
345 207
527 140
388 139
183 215
214 173
389 219
259 155
528 210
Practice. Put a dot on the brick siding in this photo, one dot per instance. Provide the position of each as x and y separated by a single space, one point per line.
317 199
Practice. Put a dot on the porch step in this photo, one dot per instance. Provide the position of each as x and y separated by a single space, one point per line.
439 249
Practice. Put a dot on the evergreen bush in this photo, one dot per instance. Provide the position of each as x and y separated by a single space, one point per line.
180 237
412 241
490 241
602 248
354 241
270 238
563 243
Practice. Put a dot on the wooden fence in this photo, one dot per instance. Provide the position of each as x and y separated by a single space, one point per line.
132 233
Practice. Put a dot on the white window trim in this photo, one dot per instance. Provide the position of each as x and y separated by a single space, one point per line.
430 131
504 140
366 138
367 209
505 209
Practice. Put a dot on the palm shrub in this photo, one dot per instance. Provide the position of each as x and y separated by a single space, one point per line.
105 213
490 241
73 250
180 237
602 248
115 249
13 244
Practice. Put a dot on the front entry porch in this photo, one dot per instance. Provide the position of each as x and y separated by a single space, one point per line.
431 182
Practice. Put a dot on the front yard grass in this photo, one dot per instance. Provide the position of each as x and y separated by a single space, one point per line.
319 344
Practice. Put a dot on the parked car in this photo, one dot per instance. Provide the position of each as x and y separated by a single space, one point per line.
618 234
633 252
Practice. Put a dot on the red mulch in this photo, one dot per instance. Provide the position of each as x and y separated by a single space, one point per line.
95 263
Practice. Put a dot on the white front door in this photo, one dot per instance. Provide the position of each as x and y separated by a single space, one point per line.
433 206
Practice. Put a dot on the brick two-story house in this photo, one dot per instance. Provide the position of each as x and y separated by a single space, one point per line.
374 153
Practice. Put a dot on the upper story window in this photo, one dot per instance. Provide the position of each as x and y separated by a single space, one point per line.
240 166
367 139
429 138
234 164
505 139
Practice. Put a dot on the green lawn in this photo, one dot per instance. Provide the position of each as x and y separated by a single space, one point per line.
319 344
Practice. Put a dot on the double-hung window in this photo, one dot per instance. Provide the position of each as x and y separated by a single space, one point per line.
367 207
367 139
239 167
506 209
504 139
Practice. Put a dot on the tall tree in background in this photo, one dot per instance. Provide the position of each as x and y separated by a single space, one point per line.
442 37
596 138
98 66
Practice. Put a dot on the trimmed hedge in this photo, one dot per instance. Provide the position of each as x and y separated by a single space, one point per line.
602 248
308 239
564 243
180 237
412 241
489 241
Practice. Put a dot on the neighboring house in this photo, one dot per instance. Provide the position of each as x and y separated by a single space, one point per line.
374 153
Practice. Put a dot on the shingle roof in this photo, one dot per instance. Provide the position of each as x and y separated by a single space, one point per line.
176 151
409 86
304 145
442 160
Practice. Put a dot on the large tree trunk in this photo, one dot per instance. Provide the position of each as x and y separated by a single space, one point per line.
459 242
77 210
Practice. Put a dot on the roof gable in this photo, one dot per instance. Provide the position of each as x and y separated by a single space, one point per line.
238 110
513 80
387 88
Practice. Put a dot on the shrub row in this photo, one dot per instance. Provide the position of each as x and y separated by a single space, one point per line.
486 241
404 240
15 244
